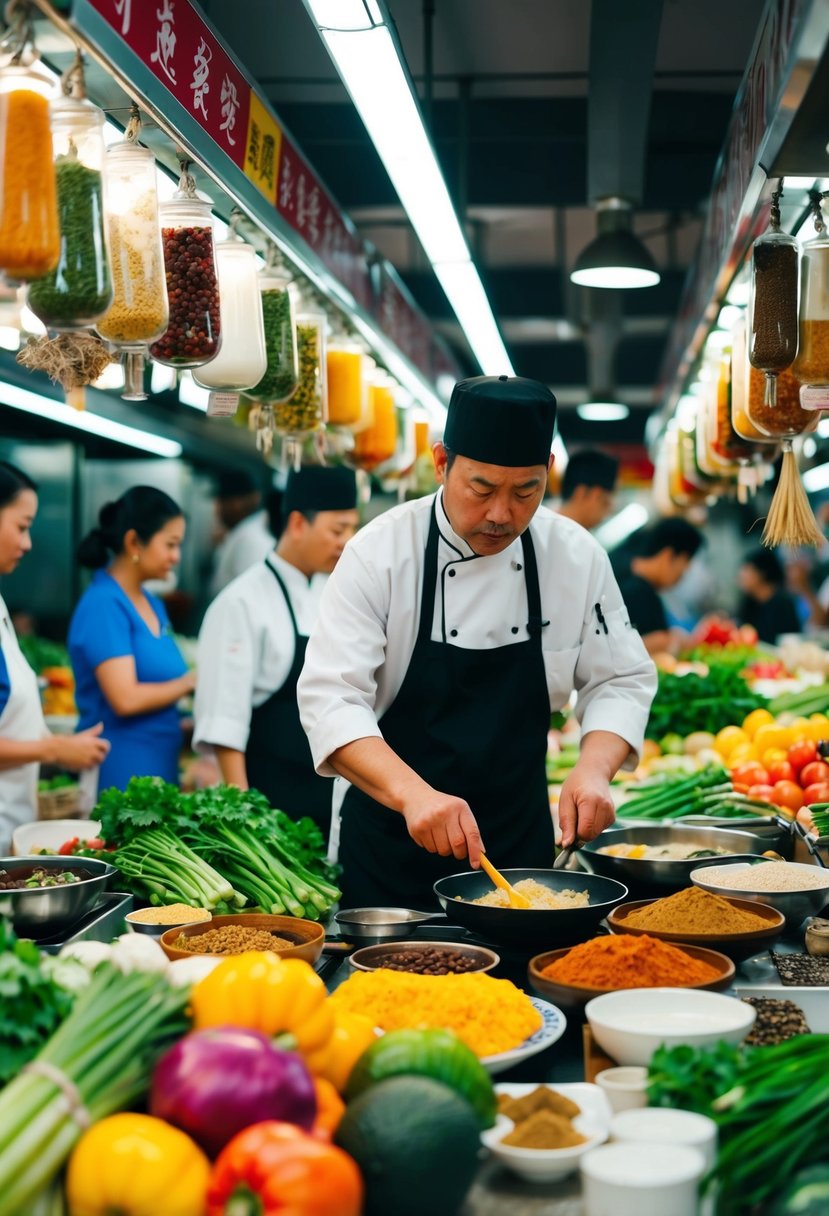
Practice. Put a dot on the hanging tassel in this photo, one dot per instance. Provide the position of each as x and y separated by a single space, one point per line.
791 520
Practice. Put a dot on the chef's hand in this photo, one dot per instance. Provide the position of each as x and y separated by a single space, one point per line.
84 750
444 824
585 807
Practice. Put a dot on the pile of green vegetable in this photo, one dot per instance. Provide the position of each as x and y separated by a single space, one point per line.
693 702
813 700
220 848
674 795
41 653
770 1106
33 1001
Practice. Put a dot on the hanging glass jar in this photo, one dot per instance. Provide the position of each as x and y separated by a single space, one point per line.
772 330
29 231
812 364
139 311
281 375
242 360
785 420
376 444
77 293
193 335
347 388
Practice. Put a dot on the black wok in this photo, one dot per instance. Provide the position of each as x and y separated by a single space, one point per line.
532 927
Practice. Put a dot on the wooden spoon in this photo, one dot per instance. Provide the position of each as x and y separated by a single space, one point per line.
516 899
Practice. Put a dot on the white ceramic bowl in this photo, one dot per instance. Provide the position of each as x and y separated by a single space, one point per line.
51 834
551 1164
631 1024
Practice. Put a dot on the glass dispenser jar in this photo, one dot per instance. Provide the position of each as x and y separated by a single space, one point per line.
242 360
772 329
376 444
786 419
193 334
347 388
281 375
77 293
306 410
139 311
812 364
29 232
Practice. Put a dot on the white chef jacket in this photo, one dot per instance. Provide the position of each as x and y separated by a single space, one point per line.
245 545
21 719
246 648
363 640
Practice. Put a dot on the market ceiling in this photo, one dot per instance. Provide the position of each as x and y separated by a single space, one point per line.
509 118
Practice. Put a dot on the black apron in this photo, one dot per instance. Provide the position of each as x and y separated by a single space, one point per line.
472 723
278 755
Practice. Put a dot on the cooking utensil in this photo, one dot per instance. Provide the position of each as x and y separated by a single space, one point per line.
372 926
565 854
516 899
651 876
532 928
46 911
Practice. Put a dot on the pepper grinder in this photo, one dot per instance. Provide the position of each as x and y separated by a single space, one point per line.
817 937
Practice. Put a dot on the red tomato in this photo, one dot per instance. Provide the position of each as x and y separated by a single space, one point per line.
818 792
68 847
749 773
761 792
802 753
813 773
781 770
787 794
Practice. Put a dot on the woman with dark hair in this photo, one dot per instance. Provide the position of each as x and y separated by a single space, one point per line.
129 672
25 742
765 602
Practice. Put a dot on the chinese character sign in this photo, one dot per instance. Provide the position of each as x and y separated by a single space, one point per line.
262 149
200 84
165 40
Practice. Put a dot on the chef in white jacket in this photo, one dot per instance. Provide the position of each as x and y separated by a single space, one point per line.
450 630
25 741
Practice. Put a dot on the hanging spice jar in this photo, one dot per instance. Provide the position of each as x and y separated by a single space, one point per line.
193 334
347 387
139 311
242 360
306 409
376 444
281 374
772 331
29 232
812 364
77 293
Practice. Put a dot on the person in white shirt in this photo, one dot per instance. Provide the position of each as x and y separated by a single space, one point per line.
450 630
252 647
247 539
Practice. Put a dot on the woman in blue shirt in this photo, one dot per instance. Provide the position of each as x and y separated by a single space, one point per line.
129 672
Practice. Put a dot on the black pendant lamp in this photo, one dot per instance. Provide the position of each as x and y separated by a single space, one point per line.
616 258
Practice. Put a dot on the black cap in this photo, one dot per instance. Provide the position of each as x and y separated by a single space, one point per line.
235 483
506 420
314 488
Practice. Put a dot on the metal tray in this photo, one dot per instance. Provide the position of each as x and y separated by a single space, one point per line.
101 924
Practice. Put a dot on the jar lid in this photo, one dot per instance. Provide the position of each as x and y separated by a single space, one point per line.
181 205
31 76
79 108
127 149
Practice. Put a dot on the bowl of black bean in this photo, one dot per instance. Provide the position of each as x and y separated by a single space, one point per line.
425 958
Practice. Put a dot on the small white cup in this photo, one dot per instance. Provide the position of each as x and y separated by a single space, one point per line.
642 1180
625 1088
658 1125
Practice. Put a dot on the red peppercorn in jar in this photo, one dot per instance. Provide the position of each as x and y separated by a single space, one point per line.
193 335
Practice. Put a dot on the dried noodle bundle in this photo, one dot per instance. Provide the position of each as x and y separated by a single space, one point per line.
73 360
791 520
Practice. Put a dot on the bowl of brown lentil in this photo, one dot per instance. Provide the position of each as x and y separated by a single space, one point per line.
287 936
425 958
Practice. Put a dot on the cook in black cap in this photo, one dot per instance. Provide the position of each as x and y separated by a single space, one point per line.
587 487
449 631
252 646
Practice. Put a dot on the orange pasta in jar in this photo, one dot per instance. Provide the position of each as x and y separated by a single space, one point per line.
29 232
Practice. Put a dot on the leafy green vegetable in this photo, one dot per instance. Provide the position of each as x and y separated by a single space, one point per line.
40 653
32 1004
691 1079
684 704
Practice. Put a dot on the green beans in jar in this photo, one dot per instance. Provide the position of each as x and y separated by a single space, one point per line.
305 411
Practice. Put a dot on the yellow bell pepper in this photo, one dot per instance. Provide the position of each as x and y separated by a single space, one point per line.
353 1033
135 1165
263 992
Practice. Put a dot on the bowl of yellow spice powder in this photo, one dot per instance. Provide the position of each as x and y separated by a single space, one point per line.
542 1131
738 928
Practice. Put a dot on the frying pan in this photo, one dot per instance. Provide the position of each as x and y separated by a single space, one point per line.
529 926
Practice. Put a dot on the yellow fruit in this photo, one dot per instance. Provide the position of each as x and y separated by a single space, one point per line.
818 728
773 755
771 736
729 738
757 718
651 749
743 752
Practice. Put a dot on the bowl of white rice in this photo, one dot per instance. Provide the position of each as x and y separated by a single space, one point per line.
795 889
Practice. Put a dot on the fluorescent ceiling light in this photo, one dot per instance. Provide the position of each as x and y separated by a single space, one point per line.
602 411
366 58
817 479
809 447
83 420
797 183
823 428
620 525
739 292
614 277
9 337
163 379
718 340
729 316
190 393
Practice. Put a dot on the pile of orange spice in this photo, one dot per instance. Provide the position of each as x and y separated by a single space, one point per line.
625 961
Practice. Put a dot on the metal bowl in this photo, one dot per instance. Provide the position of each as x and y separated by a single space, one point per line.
373 926
371 958
643 874
795 905
157 929
46 911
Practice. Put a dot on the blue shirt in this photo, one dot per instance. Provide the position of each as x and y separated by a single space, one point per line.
106 625
5 682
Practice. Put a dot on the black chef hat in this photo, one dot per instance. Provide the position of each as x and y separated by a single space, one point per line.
504 420
314 488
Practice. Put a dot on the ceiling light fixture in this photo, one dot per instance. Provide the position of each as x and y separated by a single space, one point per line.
616 258
359 39
603 411
83 420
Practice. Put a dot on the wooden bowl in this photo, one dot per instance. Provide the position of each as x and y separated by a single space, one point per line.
737 946
371 958
309 937
575 997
